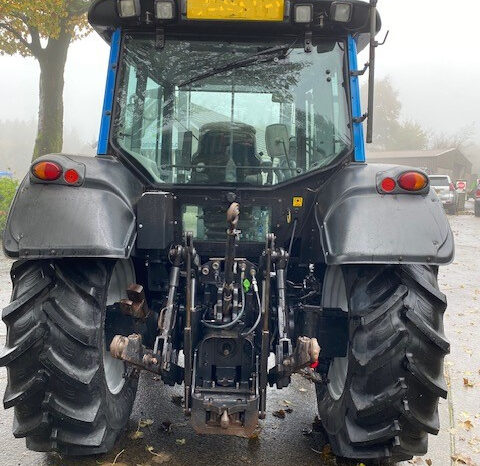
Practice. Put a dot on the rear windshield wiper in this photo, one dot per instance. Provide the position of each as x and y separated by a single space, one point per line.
265 56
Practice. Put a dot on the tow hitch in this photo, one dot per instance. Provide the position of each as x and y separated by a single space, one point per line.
227 336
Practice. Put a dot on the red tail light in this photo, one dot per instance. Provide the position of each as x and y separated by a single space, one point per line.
71 176
389 185
413 181
477 194
47 171
452 187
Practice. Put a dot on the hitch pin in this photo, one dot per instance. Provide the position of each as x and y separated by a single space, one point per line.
225 420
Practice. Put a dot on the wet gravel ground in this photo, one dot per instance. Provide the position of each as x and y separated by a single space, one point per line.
281 441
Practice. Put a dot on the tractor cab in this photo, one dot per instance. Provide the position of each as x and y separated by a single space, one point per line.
230 94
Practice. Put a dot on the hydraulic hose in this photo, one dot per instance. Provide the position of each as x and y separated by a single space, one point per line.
259 318
229 324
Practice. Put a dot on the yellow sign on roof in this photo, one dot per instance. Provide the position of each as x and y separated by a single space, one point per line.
236 10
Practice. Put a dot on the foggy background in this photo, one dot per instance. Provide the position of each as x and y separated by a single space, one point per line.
431 57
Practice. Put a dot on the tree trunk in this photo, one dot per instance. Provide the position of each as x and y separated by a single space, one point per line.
52 62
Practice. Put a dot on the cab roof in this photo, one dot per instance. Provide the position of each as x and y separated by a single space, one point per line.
104 18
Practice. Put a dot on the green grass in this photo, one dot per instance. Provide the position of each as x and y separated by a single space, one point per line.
8 188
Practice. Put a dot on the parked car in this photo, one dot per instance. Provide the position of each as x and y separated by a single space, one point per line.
445 189
473 189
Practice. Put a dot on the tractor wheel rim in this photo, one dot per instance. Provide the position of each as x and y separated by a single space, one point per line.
123 275
335 296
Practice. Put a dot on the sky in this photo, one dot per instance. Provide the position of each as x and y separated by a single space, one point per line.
431 57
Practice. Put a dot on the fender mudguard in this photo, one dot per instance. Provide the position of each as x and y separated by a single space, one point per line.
358 225
94 218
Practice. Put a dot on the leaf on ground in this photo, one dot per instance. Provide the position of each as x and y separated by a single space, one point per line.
462 459
327 451
280 414
467 425
151 450
180 441
474 441
467 383
136 435
145 423
287 403
429 462
114 463
416 460
161 458
303 390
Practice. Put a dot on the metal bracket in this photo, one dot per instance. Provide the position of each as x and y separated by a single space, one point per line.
360 72
360 119
379 44
308 42
136 305
307 352
160 38
131 350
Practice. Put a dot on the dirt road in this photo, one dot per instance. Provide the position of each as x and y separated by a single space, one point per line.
282 439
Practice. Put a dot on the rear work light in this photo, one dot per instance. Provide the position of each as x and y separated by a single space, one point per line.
128 8
47 171
303 14
164 9
341 12
413 181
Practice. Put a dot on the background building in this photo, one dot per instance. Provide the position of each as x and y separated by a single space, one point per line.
450 162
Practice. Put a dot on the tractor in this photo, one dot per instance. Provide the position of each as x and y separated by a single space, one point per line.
228 235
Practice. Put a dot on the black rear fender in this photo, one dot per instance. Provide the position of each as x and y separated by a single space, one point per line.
358 225
95 219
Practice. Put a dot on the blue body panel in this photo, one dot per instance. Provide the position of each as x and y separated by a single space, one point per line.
358 138
109 94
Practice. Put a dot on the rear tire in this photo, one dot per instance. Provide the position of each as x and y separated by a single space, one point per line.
68 394
477 209
382 400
